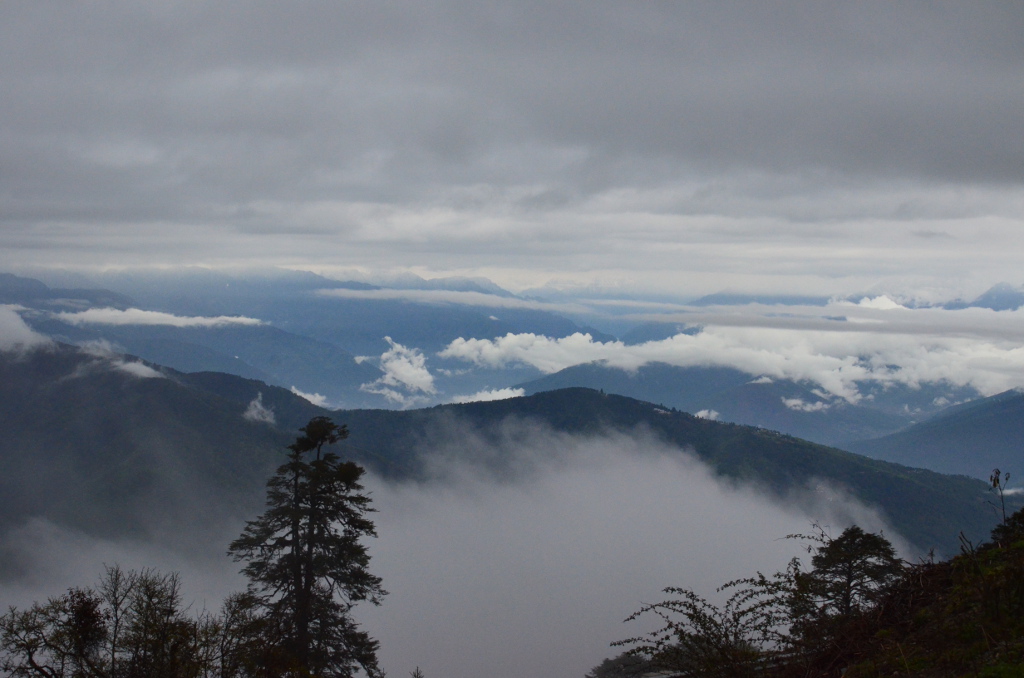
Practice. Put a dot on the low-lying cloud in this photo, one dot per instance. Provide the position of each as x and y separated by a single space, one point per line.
137 316
490 394
515 557
406 380
257 411
531 574
15 334
316 398
109 358
801 405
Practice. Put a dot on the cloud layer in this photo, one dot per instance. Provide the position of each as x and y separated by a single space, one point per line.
453 297
698 145
137 316
876 341
533 576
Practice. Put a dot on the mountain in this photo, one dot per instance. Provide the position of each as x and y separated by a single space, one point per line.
783 405
925 507
34 293
114 446
302 340
971 439
728 299
315 328
259 352
303 303
1000 297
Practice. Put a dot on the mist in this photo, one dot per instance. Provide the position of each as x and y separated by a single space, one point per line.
515 557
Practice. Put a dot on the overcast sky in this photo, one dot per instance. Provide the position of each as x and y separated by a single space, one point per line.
785 146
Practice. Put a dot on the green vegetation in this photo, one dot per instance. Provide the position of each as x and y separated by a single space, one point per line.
858 612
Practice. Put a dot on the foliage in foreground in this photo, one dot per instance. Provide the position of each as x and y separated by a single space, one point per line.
858 612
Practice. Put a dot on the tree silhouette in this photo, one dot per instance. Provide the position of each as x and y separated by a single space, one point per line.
306 564
793 616
848 571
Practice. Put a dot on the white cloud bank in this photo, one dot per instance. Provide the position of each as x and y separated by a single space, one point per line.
878 341
555 559
15 334
406 380
136 316
488 395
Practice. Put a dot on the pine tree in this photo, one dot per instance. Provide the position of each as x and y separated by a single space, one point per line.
306 564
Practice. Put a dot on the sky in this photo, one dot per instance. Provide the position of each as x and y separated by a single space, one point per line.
799 147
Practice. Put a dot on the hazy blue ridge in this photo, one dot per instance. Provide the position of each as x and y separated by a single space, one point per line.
31 292
972 438
733 395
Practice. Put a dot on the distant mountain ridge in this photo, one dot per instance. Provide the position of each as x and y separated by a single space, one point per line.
1000 297
779 404
91 443
18 290
306 340
971 439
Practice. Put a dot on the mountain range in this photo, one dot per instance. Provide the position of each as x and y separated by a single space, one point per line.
784 405
114 446
290 329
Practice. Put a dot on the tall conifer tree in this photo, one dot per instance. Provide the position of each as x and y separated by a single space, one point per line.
306 563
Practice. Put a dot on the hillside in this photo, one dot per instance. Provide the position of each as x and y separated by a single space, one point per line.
112 446
926 507
90 443
779 404
969 439
956 618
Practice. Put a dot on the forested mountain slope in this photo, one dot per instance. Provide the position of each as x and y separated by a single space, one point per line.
729 394
110 446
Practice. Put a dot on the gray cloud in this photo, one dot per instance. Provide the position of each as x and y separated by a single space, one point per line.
533 576
789 142
453 297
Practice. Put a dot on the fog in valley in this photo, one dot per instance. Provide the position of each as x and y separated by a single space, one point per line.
521 561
